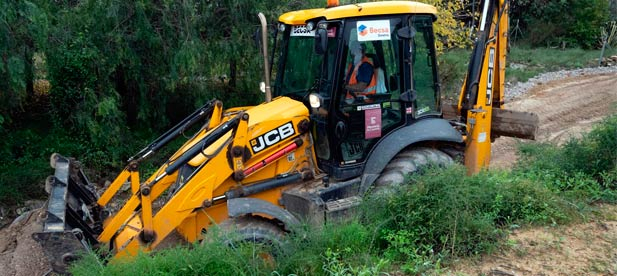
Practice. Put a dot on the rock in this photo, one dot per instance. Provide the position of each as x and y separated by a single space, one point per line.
517 66
497 272
126 186
30 205
519 89
21 218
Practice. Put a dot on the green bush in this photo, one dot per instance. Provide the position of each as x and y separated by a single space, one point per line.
24 162
445 213
585 167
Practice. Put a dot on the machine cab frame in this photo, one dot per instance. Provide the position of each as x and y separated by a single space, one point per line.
400 51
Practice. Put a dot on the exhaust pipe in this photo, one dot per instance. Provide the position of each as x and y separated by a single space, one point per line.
264 42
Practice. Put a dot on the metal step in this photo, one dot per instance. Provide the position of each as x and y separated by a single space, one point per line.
342 209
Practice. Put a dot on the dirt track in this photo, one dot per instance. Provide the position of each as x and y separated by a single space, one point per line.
566 108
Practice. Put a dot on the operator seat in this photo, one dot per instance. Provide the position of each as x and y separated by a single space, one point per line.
381 93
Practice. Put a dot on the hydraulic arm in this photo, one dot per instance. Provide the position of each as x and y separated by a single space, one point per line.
483 90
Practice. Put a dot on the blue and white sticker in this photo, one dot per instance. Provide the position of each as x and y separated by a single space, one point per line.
373 30
301 30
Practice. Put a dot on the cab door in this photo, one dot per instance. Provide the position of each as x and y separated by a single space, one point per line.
360 123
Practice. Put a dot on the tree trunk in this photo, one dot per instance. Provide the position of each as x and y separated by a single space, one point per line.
232 74
29 70
128 94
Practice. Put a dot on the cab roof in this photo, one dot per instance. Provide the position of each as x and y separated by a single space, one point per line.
356 10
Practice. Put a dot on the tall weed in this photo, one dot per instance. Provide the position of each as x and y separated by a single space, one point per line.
584 167
445 212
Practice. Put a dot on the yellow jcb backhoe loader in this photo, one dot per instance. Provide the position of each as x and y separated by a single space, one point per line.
311 151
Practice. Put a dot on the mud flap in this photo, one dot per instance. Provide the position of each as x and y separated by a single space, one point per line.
242 206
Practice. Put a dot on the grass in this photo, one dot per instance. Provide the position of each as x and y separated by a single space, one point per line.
531 62
441 215
523 64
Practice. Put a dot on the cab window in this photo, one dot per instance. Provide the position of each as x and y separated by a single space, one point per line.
424 68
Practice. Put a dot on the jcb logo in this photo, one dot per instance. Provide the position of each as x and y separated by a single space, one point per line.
272 137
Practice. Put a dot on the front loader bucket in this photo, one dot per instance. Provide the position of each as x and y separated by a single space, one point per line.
73 217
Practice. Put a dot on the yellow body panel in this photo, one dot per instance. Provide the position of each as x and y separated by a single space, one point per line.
187 210
356 10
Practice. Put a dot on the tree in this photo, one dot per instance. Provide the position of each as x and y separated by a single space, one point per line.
22 23
575 22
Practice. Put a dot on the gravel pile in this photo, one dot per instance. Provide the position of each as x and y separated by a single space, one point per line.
519 89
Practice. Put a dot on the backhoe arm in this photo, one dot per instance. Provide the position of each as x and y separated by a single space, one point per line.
483 89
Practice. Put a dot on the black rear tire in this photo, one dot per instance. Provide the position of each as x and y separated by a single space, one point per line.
409 161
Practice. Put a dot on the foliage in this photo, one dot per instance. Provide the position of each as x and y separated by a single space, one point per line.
575 22
444 213
583 167
21 24
24 164
335 266
115 69
529 62
450 32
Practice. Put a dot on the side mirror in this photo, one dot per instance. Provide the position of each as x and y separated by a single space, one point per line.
321 41
406 32
408 96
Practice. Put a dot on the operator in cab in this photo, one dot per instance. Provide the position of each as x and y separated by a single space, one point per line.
360 79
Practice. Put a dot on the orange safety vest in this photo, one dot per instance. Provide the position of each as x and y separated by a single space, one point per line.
371 88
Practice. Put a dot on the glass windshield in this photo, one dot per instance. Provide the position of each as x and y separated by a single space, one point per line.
300 67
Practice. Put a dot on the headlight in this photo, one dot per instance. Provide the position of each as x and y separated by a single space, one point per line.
310 25
315 100
281 27
262 87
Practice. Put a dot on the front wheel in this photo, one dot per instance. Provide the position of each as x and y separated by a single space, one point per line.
251 229
262 237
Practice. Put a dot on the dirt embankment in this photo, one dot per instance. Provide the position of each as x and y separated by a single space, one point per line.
566 107
20 254
582 249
